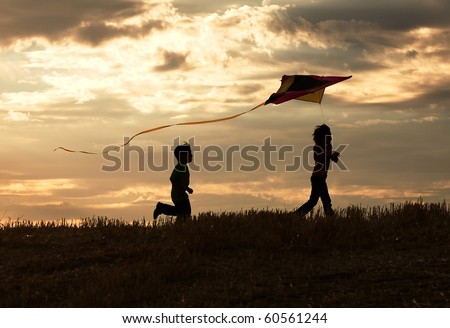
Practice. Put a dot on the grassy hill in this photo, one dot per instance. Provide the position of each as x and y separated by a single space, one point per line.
395 256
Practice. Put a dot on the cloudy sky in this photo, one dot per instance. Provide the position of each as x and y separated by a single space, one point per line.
87 74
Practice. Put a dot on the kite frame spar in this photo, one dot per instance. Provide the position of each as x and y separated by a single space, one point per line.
300 87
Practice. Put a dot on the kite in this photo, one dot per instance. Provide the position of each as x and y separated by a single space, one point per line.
300 87
303 87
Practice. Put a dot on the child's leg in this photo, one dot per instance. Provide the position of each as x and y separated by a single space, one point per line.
313 198
166 209
183 209
325 197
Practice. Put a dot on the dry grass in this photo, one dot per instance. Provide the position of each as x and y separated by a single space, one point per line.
395 256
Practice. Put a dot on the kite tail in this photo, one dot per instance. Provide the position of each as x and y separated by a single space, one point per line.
160 128
75 151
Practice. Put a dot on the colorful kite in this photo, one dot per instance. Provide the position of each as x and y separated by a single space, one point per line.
303 87
300 87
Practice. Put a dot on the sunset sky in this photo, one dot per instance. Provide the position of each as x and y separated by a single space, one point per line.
86 74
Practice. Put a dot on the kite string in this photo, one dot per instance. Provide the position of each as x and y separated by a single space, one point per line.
321 111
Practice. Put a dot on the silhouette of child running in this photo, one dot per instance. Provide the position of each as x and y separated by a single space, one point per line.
323 153
180 185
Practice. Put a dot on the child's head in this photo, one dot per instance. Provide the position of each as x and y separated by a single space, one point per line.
322 134
183 154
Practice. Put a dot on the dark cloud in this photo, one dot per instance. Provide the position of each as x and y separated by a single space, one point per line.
202 6
97 33
399 14
352 35
172 61
55 19
248 89
311 59
432 93
411 54
395 15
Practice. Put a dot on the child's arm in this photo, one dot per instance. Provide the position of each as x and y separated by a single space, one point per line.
335 156
180 186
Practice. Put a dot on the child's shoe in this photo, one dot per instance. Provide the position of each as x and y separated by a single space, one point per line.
157 211
328 210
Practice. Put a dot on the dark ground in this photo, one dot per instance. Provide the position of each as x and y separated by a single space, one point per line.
378 257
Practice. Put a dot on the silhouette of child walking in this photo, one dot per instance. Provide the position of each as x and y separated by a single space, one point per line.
180 185
323 153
